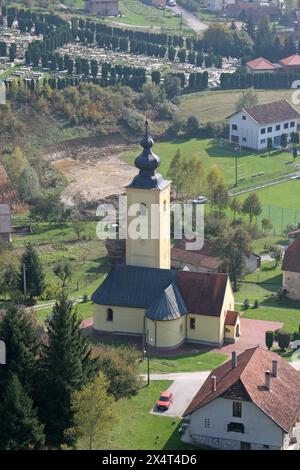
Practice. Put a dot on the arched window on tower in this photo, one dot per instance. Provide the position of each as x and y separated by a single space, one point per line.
143 209
109 314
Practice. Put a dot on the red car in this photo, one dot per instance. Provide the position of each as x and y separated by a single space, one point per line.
165 400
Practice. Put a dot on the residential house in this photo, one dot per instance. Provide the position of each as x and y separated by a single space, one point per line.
205 260
250 402
261 65
291 270
5 223
103 7
253 126
145 297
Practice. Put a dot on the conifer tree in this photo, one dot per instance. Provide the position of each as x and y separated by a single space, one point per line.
66 367
20 428
34 273
21 339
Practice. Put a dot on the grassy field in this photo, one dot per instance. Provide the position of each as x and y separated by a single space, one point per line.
57 243
217 105
136 13
85 310
212 154
280 204
186 363
136 429
264 286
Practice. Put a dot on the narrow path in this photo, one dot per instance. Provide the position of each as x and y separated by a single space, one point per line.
289 177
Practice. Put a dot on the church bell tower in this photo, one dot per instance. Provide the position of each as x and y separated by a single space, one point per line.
148 195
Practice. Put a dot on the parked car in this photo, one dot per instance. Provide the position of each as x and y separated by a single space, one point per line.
165 400
172 3
200 200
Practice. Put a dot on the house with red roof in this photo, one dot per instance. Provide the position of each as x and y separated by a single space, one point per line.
252 127
291 63
291 270
261 65
250 402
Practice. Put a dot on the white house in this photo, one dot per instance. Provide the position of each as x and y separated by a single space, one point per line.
250 402
253 126
291 270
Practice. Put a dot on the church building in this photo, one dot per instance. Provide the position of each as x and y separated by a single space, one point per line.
145 296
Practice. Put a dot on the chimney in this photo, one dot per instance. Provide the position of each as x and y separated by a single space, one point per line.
213 383
233 359
268 380
275 368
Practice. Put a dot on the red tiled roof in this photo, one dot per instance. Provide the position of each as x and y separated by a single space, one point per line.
294 233
196 258
203 293
281 404
272 112
291 260
231 318
260 64
292 60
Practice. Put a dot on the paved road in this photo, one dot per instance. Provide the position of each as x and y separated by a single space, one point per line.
184 387
191 20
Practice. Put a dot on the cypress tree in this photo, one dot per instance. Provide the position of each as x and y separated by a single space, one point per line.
20 428
67 366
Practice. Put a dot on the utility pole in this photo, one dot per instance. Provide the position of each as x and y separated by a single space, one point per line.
181 21
236 170
24 280
146 352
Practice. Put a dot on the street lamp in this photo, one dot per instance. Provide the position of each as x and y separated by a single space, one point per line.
146 353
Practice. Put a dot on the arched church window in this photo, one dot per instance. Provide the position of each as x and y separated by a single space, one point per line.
109 314
143 209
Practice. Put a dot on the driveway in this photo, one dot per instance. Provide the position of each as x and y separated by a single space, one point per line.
252 334
184 388
191 20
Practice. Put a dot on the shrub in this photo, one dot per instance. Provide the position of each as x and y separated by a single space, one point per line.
284 339
256 304
246 304
269 338
296 336
85 299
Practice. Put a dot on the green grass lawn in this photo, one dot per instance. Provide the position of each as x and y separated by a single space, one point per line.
212 155
136 429
280 204
136 13
217 105
264 286
85 310
187 363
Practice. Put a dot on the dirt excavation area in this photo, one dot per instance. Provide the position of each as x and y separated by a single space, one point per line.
93 172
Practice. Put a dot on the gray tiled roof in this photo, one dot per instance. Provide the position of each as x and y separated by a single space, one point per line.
133 286
169 306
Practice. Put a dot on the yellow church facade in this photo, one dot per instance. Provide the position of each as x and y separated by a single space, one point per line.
144 296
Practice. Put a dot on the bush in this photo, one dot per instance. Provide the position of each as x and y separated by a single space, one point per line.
269 339
119 364
246 304
284 339
85 299
256 304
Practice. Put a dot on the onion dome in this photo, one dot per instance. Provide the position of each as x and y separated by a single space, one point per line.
147 162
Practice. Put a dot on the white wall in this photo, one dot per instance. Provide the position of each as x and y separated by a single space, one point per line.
259 428
249 132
